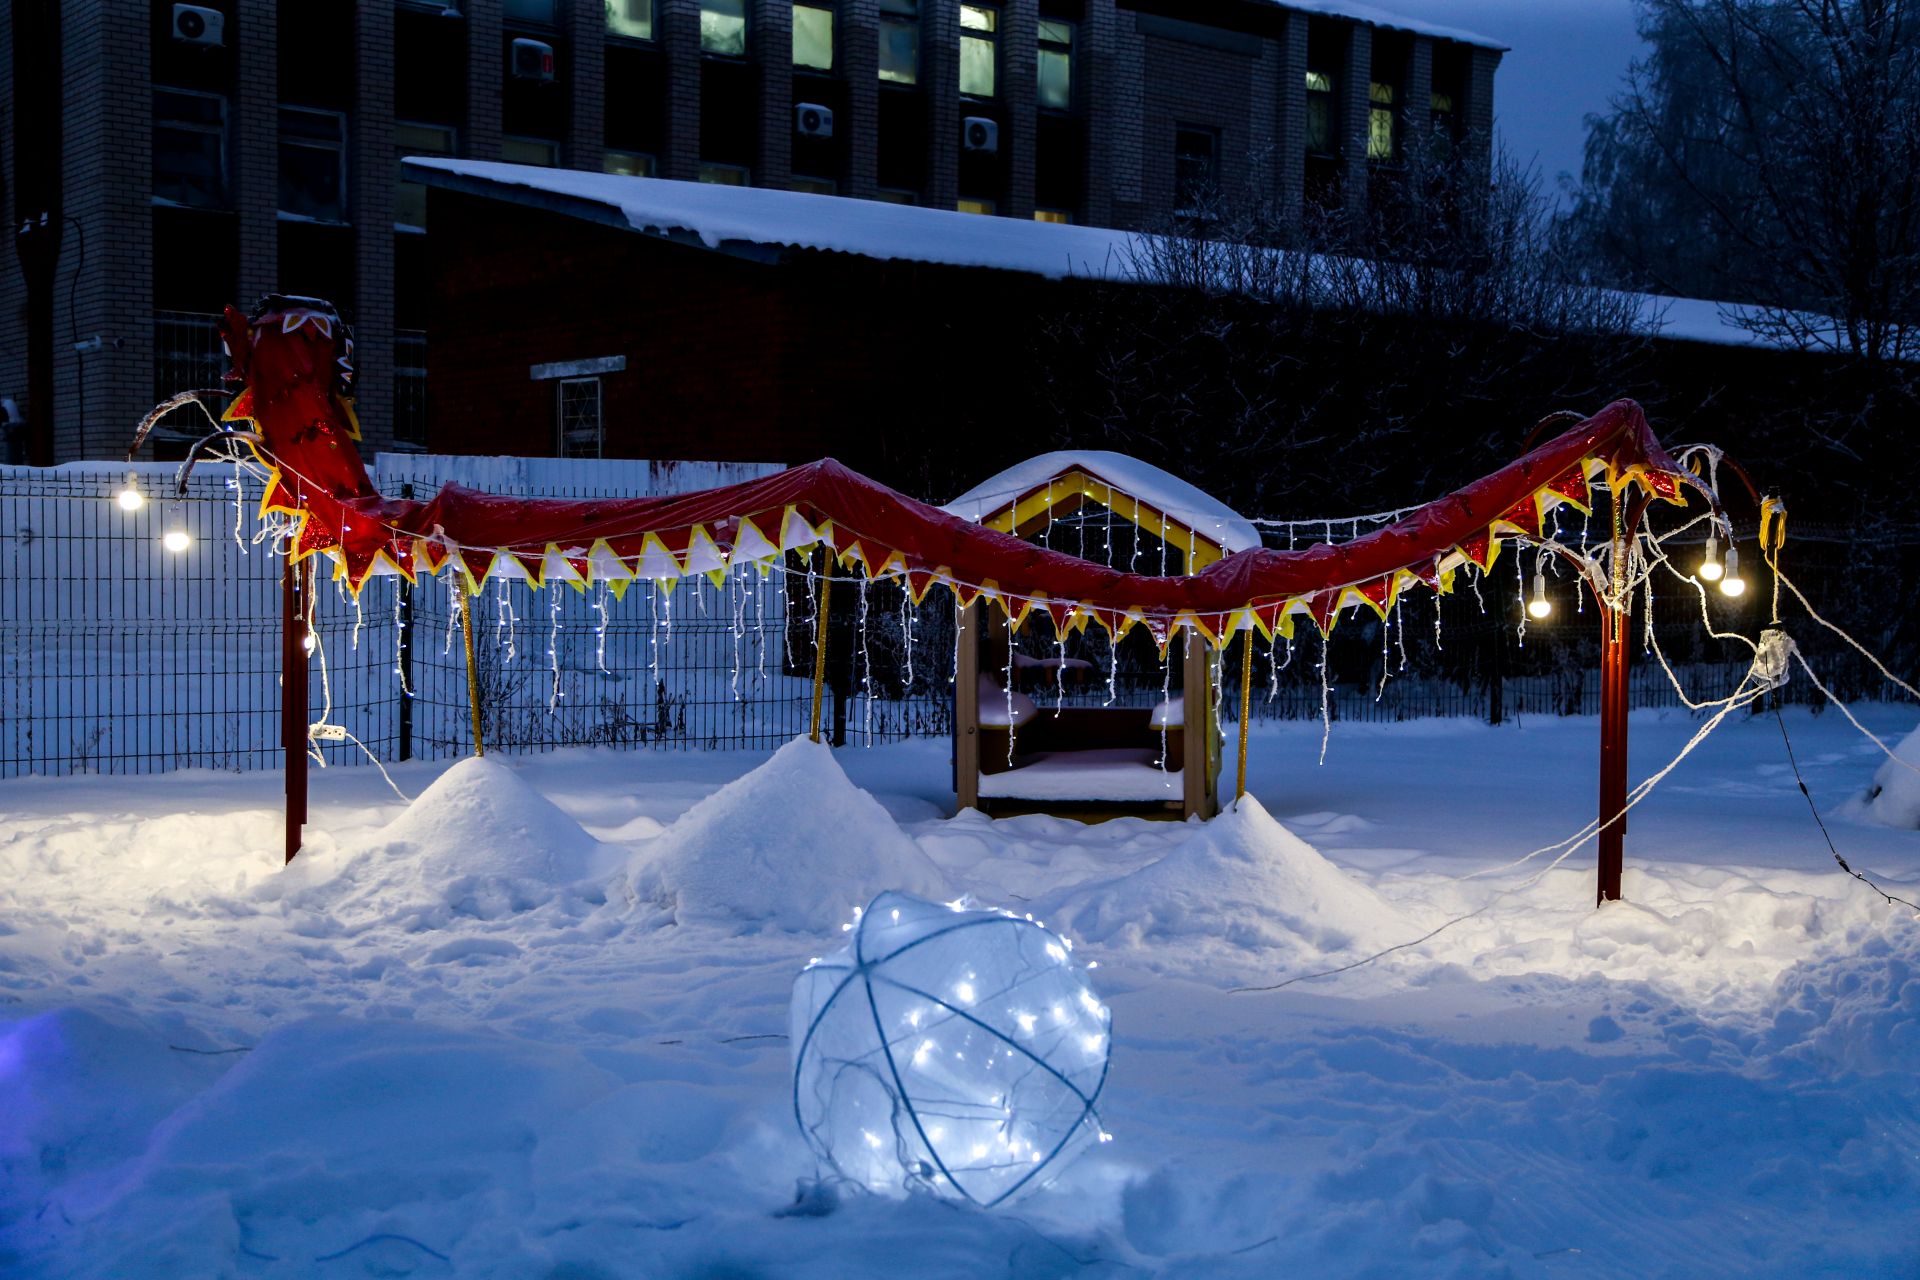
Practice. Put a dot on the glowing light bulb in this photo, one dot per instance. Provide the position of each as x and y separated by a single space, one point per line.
1539 606
130 498
1710 569
1732 584
176 540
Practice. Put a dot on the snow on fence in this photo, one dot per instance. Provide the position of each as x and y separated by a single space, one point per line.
117 656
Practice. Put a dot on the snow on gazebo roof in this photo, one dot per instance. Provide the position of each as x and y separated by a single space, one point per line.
1001 498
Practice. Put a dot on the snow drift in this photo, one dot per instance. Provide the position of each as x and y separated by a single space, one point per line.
1894 798
479 842
1242 879
791 845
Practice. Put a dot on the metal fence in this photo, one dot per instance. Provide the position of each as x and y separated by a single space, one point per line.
119 656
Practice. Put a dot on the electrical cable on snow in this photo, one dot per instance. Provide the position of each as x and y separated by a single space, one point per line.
1819 822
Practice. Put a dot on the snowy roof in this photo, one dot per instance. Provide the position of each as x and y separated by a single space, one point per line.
1377 17
1198 510
760 222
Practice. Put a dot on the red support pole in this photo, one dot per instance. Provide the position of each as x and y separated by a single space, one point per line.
295 583
1615 626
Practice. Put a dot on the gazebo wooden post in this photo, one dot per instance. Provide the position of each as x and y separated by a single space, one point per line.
820 643
1201 745
966 707
1246 699
473 675
296 584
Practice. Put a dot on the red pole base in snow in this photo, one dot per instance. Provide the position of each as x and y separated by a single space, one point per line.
1614 628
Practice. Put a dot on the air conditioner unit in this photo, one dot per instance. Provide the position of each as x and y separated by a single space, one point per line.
977 133
811 120
531 60
193 24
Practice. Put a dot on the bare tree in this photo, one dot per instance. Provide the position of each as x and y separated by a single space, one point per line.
1269 355
1767 152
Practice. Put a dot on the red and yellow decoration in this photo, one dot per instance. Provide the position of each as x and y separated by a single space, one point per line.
293 357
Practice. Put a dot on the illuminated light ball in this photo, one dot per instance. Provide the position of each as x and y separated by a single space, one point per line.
1710 570
1733 586
130 498
950 1050
1539 608
176 540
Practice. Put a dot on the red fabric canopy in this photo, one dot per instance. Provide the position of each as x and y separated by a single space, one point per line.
319 478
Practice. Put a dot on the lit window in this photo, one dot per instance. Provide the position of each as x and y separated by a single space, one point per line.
1319 113
970 204
410 198
894 195
189 149
1194 180
630 18
580 433
813 37
978 49
541 151
1052 215
723 27
1055 86
1380 123
814 186
313 164
725 175
900 41
632 164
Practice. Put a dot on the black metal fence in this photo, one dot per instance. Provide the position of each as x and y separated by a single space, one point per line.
118 655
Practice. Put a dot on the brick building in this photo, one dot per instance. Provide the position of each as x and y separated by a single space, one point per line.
221 150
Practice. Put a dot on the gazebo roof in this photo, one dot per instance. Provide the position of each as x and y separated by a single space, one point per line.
1154 500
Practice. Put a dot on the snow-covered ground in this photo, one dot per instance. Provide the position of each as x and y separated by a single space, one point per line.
535 1026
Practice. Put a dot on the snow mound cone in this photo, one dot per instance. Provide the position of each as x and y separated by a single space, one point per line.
480 842
1241 879
1894 798
792 845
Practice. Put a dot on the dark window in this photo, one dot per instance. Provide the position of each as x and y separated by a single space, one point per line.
725 175
1320 113
630 18
536 151
1055 86
409 139
723 27
900 41
580 434
540 11
1195 180
813 36
633 164
313 164
979 49
409 389
190 149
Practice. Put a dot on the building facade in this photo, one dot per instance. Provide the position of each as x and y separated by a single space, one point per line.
217 151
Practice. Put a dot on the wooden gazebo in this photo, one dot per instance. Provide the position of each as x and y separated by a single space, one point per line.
1091 761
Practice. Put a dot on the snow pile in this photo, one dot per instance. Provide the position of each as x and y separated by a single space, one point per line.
791 845
479 842
1243 880
1894 798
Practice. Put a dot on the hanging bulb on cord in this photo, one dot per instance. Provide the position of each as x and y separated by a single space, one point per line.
1539 606
1732 584
1710 570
